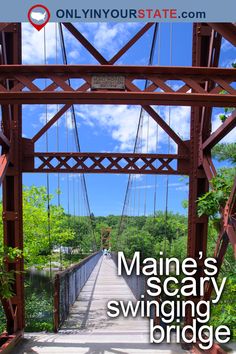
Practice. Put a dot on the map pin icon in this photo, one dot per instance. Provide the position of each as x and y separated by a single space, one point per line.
38 16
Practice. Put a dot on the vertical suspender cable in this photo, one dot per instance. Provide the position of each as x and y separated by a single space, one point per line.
139 148
146 178
57 126
47 176
67 175
157 127
167 176
58 145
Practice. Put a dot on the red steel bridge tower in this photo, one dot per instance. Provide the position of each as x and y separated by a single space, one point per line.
107 83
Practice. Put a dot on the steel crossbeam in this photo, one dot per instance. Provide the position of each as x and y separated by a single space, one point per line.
161 90
174 164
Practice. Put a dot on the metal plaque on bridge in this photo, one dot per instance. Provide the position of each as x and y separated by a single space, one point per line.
108 82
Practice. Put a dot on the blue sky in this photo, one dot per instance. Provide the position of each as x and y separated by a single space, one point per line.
113 128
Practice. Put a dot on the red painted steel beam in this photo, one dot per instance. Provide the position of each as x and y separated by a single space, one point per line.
232 200
129 163
120 98
198 182
3 26
212 61
12 184
141 72
108 154
190 94
221 132
227 30
209 167
231 232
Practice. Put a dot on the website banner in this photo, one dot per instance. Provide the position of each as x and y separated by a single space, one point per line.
132 11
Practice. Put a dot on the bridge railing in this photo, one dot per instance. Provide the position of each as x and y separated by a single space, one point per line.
68 284
136 283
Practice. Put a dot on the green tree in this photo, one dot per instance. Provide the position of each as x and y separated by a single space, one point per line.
225 152
213 201
42 231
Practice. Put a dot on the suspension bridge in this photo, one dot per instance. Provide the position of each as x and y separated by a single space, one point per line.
82 291
88 329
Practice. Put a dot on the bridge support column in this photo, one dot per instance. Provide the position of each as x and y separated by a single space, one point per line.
12 185
200 128
198 185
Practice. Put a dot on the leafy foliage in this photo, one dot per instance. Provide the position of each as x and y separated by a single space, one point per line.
7 277
223 152
225 311
211 202
39 311
227 111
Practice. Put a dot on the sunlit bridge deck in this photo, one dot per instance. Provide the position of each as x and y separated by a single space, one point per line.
89 330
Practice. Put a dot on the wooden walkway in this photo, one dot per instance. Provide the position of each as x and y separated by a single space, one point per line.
89 330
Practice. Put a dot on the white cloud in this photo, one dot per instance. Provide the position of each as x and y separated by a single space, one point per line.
74 176
137 178
74 55
33 44
179 186
183 188
121 123
147 186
